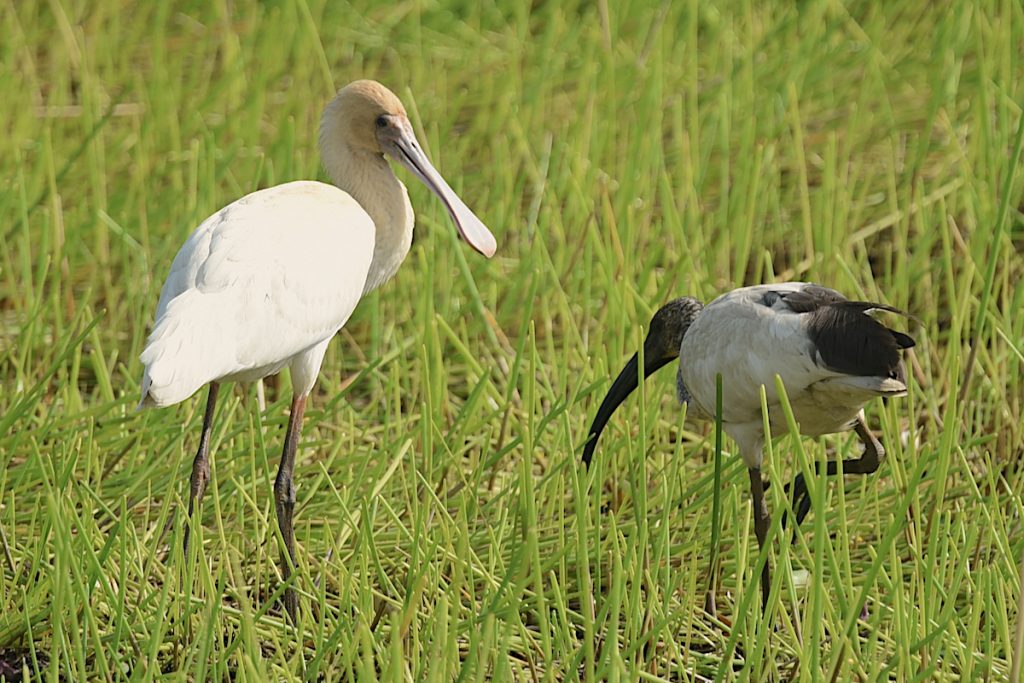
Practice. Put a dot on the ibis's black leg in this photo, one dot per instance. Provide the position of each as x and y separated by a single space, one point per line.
284 498
761 528
709 597
201 463
867 463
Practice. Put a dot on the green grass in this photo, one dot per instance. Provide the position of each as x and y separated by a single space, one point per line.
622 153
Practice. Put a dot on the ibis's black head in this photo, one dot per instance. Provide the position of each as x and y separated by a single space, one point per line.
665 336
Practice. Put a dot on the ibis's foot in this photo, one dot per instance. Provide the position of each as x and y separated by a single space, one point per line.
801 499
291 604
709 604
867 463
761 520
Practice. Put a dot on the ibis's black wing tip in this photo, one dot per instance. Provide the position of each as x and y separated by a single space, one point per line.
904 341
852 342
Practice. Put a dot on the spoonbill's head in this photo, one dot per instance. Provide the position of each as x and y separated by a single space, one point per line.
367 117
664 337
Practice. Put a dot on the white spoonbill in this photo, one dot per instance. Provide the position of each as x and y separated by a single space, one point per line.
831 356
267 281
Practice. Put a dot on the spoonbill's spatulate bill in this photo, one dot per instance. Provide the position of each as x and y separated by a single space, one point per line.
831 355
267 281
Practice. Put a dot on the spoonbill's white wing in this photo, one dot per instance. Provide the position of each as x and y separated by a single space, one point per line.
262 280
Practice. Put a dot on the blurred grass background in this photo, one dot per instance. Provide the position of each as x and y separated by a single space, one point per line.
623 153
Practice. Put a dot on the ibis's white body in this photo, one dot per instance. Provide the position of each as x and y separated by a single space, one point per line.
749 343
261 285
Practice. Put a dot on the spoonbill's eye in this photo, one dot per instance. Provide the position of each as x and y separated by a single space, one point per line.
382 121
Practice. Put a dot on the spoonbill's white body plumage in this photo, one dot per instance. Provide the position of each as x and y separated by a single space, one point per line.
267 281
831 356
261 285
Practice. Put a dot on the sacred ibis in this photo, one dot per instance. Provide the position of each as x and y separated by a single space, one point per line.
831 355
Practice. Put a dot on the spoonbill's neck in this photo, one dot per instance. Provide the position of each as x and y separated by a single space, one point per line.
368 178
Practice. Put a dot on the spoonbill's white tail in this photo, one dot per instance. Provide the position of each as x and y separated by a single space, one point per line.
191 330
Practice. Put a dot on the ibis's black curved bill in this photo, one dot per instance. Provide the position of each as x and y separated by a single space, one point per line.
624 385
668 327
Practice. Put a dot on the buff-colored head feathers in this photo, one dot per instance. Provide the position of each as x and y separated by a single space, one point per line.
350 118
366 122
